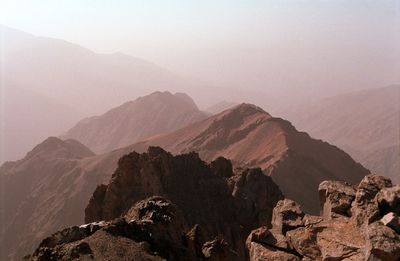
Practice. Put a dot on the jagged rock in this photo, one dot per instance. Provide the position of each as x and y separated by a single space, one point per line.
304 241
336 198
209 201
389 200
217 250
328 240
382 243
392 220
259 252
310 220
287 215
252 191
222 167
371 235
364 208
151 230
268 237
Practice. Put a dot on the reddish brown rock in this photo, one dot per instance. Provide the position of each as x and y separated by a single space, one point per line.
287 215
369 235
364 208
172 207
389 200
336 198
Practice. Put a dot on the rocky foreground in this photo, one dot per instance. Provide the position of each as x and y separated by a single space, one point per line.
159 206
357 223
163 207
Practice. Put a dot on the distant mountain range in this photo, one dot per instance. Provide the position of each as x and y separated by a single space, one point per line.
366 124
49 84
27 118
154 114
50 187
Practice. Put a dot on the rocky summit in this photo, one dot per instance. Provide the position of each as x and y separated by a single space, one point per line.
158 206
356 223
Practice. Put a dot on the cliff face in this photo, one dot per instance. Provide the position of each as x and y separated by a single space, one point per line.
174 207
357 223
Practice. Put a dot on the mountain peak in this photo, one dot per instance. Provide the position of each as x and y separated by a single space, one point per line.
150 115
248 108
59 148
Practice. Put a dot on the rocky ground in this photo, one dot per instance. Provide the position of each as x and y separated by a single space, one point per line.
357 223
163 207
160 206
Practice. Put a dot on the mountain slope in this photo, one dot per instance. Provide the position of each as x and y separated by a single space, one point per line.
61 83
245 134
29 186
386 160
361 123
249 136
157 113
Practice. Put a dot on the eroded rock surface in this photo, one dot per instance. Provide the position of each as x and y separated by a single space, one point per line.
161 206
356 223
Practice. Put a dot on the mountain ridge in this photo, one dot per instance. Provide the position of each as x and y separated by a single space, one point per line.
153 114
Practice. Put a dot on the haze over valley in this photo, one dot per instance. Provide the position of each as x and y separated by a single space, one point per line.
188 130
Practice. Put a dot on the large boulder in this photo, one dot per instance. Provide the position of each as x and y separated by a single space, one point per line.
356 224
383 243
336 198
287 215
364 209
259 252
389 200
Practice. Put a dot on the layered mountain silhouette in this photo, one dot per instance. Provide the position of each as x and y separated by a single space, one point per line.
27 118
72 74
157 113
366 124
245 134
49 84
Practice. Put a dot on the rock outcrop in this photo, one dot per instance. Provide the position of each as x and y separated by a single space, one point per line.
357 223
177 207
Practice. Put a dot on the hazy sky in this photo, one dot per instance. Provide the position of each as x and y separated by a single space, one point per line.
280 43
